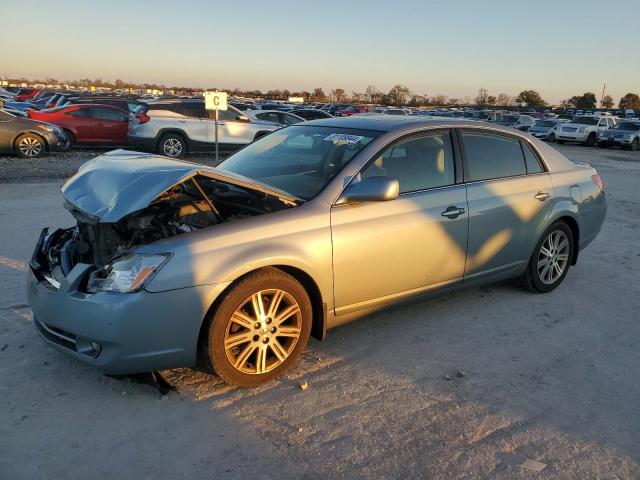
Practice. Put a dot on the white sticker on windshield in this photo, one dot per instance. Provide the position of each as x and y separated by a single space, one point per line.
343 139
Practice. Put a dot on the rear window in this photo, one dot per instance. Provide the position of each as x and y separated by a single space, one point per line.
492 156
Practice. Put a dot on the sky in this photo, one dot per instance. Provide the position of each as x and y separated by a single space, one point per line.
559 48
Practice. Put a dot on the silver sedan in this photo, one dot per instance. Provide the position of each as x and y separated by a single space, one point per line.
172 262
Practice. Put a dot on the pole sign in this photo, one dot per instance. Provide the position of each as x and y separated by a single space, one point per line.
215 100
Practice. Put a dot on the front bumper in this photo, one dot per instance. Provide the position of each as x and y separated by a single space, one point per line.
120 333
56 143
620 141
573 136
544 135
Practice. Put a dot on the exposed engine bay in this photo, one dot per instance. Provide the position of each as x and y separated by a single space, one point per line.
196 203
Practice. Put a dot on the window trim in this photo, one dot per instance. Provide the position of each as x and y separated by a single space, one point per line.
497 133
457 164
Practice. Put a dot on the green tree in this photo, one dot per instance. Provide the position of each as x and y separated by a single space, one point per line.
584 101
630 100
607 101
398 95
531 98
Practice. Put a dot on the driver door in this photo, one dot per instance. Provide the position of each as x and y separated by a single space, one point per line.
382 250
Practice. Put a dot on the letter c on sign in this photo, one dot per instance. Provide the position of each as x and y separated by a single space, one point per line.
216 101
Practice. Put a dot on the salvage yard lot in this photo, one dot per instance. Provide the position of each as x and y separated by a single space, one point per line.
469 385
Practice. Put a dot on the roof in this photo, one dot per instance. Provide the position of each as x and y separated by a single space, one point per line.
388 123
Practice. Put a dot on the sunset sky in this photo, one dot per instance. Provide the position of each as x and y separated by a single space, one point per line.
434 47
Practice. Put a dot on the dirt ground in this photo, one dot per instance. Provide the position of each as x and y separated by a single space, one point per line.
470 385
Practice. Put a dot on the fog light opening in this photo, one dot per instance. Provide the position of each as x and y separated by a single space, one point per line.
87 347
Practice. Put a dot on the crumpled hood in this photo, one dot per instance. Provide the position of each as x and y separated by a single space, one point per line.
121 182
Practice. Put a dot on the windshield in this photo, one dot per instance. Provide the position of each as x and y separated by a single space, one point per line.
545 123
627 126
585 120
299 160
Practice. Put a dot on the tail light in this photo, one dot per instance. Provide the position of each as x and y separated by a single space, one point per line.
143 117
598 181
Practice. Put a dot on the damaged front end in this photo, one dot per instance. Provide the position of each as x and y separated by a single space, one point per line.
122 200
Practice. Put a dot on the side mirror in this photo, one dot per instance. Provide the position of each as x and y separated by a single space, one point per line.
372 189
242 118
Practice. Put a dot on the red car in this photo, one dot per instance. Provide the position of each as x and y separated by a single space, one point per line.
354 109
25 94
88 124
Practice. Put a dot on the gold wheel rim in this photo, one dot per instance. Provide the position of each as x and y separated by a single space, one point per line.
263 331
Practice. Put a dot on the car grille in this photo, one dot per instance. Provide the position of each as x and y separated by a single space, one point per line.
569 129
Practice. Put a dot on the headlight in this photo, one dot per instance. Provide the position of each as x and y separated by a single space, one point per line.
580 130
126 274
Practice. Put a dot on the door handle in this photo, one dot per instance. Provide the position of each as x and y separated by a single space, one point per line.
100 124
182 121
542 196
452 212
220 123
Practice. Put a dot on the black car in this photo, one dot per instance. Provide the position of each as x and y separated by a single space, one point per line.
29 138
311 114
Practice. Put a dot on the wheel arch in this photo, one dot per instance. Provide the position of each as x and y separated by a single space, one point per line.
318 306
176 131
33 132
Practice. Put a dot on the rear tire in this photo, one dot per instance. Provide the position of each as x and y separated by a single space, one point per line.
246 348
561 142
551 259
172 145
30 145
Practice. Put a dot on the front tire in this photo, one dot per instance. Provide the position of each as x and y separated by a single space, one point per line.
260 328
30 145
591 140
552 137
561 142
172 145
635 145
551 259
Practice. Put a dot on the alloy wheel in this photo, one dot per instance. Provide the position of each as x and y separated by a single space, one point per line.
263 331
30 146
172 147
553 257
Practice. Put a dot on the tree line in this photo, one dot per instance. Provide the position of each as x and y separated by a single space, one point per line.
399 95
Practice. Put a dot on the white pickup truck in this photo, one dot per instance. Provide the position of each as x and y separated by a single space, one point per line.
584 129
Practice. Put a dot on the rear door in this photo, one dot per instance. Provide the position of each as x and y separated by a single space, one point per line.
510 196
231 129
192 119
110 125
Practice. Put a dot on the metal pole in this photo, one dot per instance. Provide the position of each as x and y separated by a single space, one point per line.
217 137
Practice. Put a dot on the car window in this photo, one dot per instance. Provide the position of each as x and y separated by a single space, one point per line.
107 114
191 109
223 115
492 156
417 163
81 112
530 159
603 123
268 117
289 119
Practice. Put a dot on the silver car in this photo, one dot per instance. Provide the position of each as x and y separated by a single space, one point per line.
173 262
175 127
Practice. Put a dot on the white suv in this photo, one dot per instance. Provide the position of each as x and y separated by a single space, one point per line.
584 129
175 127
